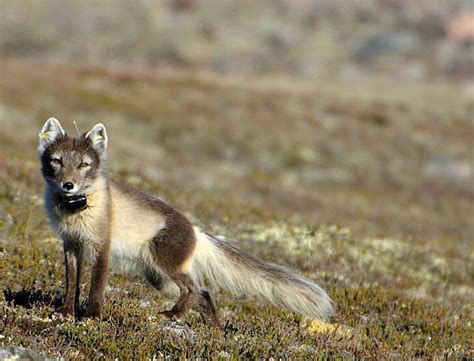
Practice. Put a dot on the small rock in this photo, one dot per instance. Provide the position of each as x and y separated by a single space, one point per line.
178 329
20 353
223 355
4 215
145 302
460 27
381 44
456 171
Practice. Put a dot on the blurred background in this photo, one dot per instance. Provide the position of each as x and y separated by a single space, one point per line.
353 113
408 40
304 39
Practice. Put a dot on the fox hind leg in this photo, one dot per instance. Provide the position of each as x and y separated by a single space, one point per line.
188 293
202 300
154 278
207 308
172 249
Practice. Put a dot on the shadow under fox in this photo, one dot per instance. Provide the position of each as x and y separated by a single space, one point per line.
119 226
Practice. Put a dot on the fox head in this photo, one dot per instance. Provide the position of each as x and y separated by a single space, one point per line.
70 165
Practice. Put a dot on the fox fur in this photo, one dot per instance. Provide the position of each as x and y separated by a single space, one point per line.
132 232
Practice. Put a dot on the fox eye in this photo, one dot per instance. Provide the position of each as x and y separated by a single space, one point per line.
84 165
56 162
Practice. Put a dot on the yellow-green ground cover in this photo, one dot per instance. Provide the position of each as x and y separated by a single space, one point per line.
336 180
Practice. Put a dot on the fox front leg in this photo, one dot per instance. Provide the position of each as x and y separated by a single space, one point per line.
73 260
98 283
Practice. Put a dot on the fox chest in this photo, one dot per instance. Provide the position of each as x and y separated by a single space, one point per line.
89 227
86 228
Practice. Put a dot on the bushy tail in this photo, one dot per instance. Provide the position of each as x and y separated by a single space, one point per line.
242 274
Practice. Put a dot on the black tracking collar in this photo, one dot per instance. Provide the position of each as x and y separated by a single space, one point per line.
74 204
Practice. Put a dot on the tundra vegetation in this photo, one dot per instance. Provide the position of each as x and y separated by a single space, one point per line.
366 192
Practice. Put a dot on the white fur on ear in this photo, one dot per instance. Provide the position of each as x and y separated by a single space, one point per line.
50 131
98 137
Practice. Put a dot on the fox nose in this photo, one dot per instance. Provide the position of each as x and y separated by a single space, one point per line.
68 186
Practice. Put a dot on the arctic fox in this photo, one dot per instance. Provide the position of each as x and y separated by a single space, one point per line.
120 226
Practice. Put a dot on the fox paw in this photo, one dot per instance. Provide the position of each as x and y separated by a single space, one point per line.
64 310
170 315
92 313
210 320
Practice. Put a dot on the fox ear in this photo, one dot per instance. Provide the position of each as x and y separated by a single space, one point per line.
50 131
98 137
